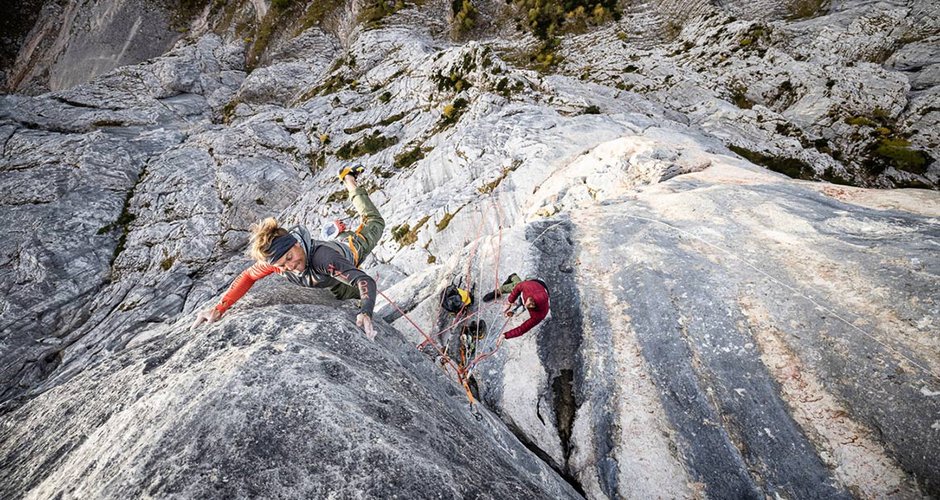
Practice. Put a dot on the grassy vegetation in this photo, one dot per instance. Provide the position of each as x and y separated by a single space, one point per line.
896 152
754 34
228 111
123 222
337 196
861 121
751 40
357 128
392 119
445 220
409 157
888 147
405 235
739 97
336 81
263 33
490 186
369 144
792 167
186 10
316 12
805 9
374 11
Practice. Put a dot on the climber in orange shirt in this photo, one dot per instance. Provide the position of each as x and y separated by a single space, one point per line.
314 263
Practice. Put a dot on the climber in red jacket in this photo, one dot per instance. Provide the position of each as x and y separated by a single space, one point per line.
533 295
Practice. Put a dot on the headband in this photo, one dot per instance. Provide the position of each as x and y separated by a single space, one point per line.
280 246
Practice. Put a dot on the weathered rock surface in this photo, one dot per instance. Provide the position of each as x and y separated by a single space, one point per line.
279 401
823 98
71 163
717 330
74 41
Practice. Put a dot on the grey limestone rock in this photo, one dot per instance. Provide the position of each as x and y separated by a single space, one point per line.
718 330
280 401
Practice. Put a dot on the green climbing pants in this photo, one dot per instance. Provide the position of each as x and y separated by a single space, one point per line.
362 240
509 284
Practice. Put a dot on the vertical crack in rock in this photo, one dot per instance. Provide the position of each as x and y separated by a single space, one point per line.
565 408
544 457
123 221
559 341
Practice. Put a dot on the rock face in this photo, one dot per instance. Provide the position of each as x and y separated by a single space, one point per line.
72 161
734 319
72 42
269 403
717 330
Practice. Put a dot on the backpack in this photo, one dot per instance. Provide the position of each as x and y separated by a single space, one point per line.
455 299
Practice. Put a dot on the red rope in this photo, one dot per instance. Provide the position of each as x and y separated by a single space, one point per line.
426 337
485 355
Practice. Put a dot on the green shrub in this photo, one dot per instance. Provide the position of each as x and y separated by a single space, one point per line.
591 110
409 158
374 11
392 119
792 167
898 153
860 121
357 128
369 144
452 112
465 15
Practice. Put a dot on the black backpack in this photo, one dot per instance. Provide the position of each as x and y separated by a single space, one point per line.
454 299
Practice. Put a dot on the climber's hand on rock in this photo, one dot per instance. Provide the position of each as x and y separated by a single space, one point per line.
365 322
210 315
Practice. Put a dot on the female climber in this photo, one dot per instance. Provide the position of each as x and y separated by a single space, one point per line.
314 263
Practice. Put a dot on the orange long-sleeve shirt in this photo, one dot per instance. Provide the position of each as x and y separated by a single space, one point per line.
243 283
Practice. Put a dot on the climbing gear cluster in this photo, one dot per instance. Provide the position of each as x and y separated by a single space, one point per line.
462 337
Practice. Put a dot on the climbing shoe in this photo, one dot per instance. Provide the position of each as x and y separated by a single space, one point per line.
512 277
489 296
354 170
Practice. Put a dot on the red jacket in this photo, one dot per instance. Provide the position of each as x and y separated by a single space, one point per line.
534 290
